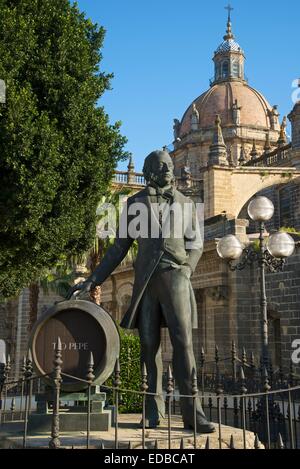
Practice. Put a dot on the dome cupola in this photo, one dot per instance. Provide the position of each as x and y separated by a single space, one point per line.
228 58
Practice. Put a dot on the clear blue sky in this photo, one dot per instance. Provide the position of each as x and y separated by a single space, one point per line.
160 52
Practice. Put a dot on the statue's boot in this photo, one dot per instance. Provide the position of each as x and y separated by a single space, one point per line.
155 411
150 423
202 424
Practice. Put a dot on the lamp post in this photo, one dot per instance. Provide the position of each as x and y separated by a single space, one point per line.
270 255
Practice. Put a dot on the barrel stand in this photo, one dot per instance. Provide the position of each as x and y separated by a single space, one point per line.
72 412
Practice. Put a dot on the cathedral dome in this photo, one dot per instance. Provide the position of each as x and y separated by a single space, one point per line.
225 97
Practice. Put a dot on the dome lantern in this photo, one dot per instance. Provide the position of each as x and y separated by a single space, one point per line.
229 57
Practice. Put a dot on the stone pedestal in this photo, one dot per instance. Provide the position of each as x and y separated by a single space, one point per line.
72 414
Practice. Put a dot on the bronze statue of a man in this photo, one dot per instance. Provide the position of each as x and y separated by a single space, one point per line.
162 292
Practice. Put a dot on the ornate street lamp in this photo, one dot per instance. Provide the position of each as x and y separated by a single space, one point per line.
270 255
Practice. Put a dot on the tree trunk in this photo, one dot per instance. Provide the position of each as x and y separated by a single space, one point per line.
95 259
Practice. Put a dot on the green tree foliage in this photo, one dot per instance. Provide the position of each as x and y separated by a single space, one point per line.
130 373
60 279
58 150
288 229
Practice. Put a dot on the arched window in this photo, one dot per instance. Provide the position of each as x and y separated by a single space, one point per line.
235 69
2 351
225 69
218 71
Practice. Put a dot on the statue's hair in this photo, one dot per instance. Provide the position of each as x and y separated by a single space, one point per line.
147 168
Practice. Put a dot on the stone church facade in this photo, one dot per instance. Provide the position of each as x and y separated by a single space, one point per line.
228 146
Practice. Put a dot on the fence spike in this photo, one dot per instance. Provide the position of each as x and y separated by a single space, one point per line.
194 383
170 375
267 386
170 383
202 357
280 443
28 367
7 366
216 353
23 367
91 359
233 350
102 445
249 405
29 354
156 444
256 442
117 366
231 444
207 445
144 370
244 356
13 404
117 378
129 445
90 369
144 383
270 367
182 443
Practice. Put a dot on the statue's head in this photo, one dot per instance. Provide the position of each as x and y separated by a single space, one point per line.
158 167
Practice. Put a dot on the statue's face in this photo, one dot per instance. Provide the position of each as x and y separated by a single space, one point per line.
162 170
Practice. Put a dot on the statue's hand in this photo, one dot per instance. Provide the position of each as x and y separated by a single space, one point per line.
81 287
186 270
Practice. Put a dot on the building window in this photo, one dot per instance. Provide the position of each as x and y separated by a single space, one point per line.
274 337
225 69
218 71
235 69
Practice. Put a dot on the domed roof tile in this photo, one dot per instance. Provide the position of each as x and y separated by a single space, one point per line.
230 45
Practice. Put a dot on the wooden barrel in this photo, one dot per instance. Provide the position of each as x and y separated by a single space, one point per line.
83 327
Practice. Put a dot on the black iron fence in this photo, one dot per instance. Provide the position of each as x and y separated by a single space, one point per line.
252 397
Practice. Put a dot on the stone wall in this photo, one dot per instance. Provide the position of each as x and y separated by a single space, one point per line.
283 295
14 327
